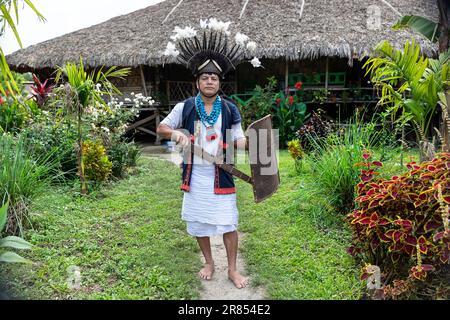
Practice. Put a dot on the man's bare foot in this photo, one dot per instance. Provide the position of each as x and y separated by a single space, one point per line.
239 280
207 271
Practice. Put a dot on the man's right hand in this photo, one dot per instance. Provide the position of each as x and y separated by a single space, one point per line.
180 138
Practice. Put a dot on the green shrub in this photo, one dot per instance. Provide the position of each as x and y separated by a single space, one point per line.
22 178
296 152
97 166
123 155
13 116
332 161
289 113
47 137
401 224
316 126
260 104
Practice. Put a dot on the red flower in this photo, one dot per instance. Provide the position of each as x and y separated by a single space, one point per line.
298 85
291 100
277 101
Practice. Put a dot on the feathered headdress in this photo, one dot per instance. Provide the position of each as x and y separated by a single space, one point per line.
211 52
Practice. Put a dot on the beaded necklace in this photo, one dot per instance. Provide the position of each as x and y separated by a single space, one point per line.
211 134
204 117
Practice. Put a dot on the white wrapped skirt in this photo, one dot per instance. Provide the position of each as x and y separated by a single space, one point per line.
206 213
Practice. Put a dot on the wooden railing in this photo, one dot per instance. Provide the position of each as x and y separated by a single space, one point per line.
336 95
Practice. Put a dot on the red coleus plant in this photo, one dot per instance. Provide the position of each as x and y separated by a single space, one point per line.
298 85
401 224
40 90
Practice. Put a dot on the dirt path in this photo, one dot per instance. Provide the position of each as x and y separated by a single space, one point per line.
219 287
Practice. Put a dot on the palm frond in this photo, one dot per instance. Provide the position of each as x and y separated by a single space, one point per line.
422 25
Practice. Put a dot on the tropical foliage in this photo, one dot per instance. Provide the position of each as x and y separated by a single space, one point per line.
433 31
83 90
401 224
8 10
289 114
410 83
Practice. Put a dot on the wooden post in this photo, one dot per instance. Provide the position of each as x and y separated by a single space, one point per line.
326 74
168 91
157 79
286 76
144 87
157 120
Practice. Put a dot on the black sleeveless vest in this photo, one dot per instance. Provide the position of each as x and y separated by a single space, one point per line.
223 181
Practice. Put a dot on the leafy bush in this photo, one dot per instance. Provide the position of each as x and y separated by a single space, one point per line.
12 116
332 161
48 137
97 166
316 126
288 115
260 104
401 224
321 95
22 178
11 241
123 155
296 152
289 112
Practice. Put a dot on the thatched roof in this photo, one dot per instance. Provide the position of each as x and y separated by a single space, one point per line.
326 28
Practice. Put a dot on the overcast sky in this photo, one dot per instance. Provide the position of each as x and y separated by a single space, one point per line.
64 16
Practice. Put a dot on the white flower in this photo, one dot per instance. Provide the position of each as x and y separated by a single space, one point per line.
127 99
251 46
213 23
240 38
170 51
255 62
218 25
203 23
187 32
105 129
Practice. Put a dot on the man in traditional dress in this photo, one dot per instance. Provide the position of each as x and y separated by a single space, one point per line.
214 122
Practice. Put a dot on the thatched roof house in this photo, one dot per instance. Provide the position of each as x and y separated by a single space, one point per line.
292 29
336 34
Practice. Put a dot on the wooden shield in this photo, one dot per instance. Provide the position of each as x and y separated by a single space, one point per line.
263 149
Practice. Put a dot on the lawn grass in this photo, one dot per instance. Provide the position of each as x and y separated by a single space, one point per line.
129 242
294 246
